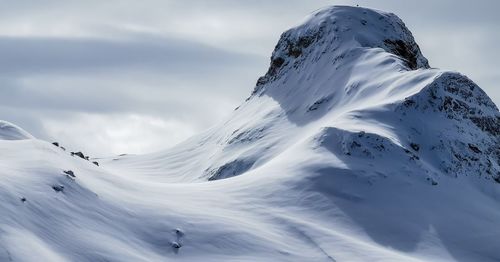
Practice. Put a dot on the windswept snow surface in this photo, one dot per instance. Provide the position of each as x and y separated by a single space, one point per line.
350 148
9 131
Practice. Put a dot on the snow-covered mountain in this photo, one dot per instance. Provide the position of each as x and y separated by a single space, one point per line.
350 148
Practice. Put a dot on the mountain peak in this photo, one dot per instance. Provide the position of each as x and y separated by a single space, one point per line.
338 31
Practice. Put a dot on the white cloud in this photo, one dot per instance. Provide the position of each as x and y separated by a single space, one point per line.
117 133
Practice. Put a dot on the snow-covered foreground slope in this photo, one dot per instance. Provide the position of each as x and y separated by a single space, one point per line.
350 148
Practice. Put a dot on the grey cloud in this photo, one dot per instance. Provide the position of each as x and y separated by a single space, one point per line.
146 75
36 55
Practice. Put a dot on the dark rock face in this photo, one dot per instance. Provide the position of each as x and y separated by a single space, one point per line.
58 188
78 154
488 124
295 48
402 49
276 64
474 148
69 173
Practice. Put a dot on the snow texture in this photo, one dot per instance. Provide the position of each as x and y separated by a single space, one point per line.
350 148
9 131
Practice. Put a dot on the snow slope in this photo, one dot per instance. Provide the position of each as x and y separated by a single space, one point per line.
350 148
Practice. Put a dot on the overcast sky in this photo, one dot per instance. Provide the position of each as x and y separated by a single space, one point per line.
110 77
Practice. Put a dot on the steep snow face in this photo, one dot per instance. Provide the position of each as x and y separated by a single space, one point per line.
339 66
9 131
350 149
457 124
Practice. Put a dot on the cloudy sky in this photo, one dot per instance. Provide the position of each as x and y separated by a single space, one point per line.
110 77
